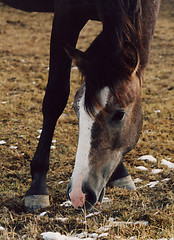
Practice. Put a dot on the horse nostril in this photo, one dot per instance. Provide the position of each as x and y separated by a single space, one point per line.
91 197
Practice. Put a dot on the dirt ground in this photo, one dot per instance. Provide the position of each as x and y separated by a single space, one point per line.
24 60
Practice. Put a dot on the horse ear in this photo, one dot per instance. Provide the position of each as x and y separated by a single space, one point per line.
78 57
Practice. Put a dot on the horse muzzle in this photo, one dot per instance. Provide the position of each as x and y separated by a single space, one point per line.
86 197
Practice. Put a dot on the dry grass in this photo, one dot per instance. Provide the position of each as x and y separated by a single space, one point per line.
23 77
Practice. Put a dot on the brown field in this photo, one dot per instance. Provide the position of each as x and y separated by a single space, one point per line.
24 59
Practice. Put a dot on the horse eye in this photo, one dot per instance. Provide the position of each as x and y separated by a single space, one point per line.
118 115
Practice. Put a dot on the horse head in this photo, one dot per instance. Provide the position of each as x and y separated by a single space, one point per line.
105 135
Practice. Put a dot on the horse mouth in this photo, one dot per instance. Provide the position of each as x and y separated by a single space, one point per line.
91 199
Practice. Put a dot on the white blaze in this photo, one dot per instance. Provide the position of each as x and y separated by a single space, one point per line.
83 150
104 96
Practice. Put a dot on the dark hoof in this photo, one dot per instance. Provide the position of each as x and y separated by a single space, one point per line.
35 202
125 182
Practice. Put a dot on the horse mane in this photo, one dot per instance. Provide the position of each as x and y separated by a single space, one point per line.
113 56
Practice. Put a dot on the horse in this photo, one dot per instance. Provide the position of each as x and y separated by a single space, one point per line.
107 105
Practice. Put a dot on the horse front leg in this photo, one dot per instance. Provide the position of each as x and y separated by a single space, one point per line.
66 27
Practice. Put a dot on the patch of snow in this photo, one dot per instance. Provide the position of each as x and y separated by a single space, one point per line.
155 171
24 236
103 235
93 235
38 136
53 141
165 179
62 219
111 219
150 158
66 204
167 163
33 83
13 147
163 239
106 200
39 131
22 136
51 236
42 214
4 102
152 184
1 229
58 236
23 61
117 223
53 147
142 168
137 180
144 223
92 214
82 235
2 142
157 111
103 229
75 68
60 182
